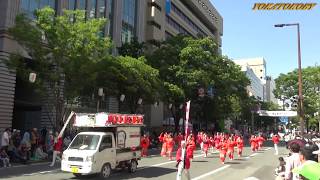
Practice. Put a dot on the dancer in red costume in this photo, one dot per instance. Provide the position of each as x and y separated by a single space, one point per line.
205 141
178 139
223 146
170 145
191 146
231 145
217 139
240 144
163 140
260 140
253 143
145 143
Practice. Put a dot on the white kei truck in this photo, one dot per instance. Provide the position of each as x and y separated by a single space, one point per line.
106 141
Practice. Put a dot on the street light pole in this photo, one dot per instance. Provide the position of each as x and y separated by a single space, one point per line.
300 108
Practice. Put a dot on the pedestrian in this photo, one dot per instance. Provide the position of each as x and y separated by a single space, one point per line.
170 146
34 141
223 147
276 140
260 140
240 145
39 153
206 142
280 170
191 146
183 162
4 158
231 144
57 148
5 138
292 162
145 143
163 139
50 143
253 143
26 144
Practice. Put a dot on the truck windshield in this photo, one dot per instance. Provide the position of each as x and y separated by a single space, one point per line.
85 142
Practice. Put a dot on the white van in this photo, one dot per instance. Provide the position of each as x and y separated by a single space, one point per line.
98 150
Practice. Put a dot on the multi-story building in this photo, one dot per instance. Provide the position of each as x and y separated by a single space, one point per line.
258 65
270 86
148 20
256 88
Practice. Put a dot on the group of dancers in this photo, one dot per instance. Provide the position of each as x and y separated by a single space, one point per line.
224 143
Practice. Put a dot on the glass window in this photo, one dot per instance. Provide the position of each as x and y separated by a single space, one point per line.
85 142
106 142
101 8
82 4
71 4
128 20
29 6
92 8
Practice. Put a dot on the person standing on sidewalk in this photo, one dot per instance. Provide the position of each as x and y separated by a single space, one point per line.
5 139
276 140
57 148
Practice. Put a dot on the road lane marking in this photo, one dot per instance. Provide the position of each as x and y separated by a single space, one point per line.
254 154
210 173
42 172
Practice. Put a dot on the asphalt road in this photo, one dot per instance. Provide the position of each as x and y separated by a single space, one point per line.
259 165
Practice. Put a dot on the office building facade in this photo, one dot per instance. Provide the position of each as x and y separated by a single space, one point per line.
147 20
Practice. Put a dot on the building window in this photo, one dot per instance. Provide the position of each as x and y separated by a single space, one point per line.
168 35
72 4
110 17
186 19
128 20
92 4
29 6
177 26
82 4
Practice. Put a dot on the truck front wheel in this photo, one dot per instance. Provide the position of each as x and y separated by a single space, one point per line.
133 166
105 171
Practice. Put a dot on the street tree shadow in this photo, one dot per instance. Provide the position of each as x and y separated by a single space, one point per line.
148 173
199 161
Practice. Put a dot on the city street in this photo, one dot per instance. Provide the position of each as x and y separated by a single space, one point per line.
259 165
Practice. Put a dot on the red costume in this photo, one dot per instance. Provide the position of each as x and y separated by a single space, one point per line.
231 145
253 142
240 145
145 143
206 142
223 146
178 139
58 145
260 140
170 145
191 146
186 159
275 139
163 139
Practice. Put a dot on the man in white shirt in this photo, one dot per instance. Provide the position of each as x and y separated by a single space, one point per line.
5 139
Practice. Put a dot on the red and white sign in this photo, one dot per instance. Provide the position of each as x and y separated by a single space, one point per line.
107 119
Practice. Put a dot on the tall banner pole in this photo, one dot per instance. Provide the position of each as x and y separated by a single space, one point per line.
66 123
187 120
183 150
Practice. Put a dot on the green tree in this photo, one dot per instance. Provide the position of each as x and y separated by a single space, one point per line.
133 49
185 65
64 50
287 85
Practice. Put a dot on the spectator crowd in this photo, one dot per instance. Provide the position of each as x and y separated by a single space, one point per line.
30 145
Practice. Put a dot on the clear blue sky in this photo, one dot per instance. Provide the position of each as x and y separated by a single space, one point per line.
249 33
